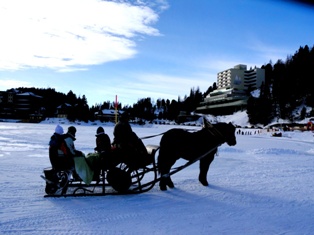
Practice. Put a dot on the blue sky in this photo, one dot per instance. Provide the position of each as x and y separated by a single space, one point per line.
142 48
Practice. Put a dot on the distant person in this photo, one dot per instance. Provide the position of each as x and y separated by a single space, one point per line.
57 151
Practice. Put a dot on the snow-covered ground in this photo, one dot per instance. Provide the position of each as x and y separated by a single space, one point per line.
263 185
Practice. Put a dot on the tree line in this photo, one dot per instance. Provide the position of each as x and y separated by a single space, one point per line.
145 108
288 85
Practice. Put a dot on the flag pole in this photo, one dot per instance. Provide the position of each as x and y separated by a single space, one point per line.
116 109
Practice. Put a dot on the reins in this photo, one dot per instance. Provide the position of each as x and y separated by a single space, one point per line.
152 136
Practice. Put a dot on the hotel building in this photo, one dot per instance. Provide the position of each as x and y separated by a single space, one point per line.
233 87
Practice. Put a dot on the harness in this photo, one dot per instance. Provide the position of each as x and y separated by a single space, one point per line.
216 133
207 125
152 136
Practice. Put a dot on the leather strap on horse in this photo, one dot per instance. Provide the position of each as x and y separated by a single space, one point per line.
152 136
213 130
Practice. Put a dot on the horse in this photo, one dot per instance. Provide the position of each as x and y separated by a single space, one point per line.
179 143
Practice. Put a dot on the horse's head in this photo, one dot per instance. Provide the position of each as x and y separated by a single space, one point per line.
229 133
224 131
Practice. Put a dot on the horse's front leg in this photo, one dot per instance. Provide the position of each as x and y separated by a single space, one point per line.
166 180
204 166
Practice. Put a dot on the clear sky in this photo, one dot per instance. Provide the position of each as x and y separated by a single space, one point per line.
142 48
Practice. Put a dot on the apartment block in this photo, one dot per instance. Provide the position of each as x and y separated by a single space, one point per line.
233 87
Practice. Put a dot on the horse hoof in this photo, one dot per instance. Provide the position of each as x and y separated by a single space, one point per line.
162 185
204 182
163 188
170 185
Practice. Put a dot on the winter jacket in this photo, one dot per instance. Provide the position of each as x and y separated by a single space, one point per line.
55 145
122 133
103 143
69 141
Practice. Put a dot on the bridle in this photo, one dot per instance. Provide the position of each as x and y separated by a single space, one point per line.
215 132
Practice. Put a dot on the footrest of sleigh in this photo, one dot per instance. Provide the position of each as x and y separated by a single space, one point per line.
58 181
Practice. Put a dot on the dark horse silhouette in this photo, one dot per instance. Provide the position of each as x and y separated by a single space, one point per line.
179 143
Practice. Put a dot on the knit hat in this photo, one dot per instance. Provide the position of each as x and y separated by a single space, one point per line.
59 130
100 131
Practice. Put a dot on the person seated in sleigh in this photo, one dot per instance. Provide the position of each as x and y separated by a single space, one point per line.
58 156
82 167
65 158
127 146
101 158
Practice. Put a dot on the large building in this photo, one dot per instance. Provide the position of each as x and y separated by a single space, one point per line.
233 86
16 104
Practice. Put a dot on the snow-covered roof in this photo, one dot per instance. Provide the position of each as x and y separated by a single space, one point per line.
29 94
13 90
109 112
66 104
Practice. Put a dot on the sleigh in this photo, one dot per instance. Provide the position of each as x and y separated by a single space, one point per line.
114 181
123 178
129 178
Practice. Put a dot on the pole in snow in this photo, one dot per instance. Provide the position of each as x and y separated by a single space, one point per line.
116 109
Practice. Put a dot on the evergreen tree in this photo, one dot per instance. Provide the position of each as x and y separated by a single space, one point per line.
259 110
303 113
71 98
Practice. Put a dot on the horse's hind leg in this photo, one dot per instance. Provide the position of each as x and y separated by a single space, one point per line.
169 182
204 166
164 182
